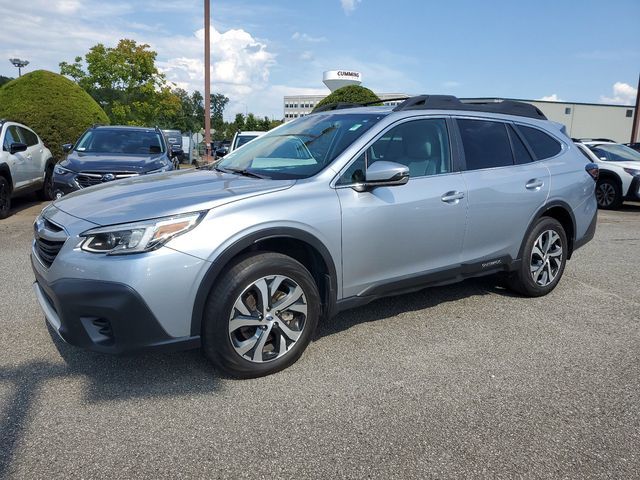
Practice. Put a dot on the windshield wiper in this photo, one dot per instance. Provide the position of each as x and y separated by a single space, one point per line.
241 171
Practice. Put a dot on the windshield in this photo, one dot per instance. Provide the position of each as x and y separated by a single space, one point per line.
132 142
616 153
301 148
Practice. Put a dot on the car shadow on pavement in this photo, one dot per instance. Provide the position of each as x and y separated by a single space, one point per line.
110 378
409 302
24 203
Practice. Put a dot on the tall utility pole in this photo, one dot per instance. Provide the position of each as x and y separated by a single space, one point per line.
635 129
207 83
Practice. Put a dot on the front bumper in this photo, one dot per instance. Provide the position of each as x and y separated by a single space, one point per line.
634 190
103 316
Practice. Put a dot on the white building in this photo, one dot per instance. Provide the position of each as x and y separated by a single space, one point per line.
300 105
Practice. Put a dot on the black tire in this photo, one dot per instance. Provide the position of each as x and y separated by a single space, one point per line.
608 194
5 198
522 280
216 339
46 193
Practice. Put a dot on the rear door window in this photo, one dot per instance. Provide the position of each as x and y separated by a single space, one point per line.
486 144
542 144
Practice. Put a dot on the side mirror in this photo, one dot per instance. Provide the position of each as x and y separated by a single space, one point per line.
17 147
603 158
67 147
384 174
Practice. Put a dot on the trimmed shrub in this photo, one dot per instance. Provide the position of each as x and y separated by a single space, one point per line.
349 94
56 108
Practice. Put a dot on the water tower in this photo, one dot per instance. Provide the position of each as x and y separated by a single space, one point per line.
335 79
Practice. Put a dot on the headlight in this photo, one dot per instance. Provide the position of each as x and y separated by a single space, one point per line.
140 236
58 170
632 171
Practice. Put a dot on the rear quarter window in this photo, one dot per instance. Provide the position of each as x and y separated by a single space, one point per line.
542 144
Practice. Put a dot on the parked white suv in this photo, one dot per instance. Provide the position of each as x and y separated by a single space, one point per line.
240 138
26 165
619 171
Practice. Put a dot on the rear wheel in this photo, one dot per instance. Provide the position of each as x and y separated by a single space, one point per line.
5 198
260 316
543 259
608 194
47 189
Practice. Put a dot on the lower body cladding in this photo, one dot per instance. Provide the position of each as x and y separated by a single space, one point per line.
104 314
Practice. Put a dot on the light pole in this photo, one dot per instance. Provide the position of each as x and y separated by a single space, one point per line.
207 83
20 64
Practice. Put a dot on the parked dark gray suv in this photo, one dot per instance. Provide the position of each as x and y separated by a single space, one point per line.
106 153
324 213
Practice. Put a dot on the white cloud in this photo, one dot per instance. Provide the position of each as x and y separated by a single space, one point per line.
240 64
551 98
623 94
349 5
303 37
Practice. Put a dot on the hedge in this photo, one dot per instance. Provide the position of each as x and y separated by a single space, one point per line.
56 108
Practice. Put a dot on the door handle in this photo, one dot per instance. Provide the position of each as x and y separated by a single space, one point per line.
452 197
534 184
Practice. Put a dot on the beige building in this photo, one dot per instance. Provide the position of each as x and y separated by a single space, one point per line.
585 120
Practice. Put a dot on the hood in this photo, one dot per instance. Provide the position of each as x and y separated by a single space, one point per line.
109 162
163 194
628 164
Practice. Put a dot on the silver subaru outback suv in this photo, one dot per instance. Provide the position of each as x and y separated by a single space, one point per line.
322 214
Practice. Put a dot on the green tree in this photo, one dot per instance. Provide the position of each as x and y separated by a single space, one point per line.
251 123
349 94
239 122
190 116
4 80
218 102
124 80
265 124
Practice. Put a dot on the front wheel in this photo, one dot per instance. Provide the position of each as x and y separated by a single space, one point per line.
260 316
543 259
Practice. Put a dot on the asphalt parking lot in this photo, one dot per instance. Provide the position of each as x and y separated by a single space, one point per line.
459 381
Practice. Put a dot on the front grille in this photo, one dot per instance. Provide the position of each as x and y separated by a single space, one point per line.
88 179
47 250
48 240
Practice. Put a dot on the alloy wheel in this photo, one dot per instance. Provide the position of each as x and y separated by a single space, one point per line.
546 258
268 318
605 194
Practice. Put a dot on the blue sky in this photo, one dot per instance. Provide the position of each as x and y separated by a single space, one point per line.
577 51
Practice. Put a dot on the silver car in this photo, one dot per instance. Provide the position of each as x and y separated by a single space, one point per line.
322 214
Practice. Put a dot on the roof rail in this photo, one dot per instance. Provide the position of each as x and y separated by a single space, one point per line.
449 102
337 106
595 140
